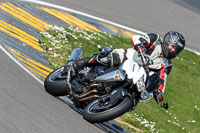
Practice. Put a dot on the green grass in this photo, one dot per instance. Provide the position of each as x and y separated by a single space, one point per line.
182 91
59 42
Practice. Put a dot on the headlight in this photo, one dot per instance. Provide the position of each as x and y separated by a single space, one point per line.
140 84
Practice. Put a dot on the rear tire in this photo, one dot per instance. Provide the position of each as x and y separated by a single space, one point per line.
55 84
114 112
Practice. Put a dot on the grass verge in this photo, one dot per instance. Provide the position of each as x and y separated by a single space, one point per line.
182 91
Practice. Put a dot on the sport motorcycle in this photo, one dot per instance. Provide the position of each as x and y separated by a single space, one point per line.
104 93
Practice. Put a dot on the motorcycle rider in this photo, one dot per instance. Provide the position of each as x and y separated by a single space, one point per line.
159 51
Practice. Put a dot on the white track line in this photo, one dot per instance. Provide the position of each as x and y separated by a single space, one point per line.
93 17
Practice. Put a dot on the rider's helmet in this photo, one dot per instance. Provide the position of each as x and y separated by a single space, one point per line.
175 40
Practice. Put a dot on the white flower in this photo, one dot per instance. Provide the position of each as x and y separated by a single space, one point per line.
176 124
193 121
57 47
55 55
144 122
196 107
53 43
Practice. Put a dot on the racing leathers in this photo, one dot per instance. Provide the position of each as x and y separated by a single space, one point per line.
161 65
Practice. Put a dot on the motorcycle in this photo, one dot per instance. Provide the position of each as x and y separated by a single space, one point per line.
104 93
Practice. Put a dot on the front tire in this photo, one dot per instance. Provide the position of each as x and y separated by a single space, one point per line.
96 116
55 83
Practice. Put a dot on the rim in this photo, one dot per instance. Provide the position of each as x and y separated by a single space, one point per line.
97 107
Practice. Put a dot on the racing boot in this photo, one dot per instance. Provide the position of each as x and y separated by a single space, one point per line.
85 62
99 59
105 59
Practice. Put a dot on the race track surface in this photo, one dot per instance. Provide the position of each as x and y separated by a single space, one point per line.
27 108
145 15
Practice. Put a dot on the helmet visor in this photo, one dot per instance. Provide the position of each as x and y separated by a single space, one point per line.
172 45
173 48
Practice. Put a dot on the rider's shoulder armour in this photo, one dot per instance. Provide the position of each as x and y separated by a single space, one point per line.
153 37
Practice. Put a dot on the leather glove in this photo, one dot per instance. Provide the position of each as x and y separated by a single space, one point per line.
159 96
137 40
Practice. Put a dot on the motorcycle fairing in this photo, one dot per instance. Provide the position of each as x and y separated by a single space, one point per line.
133 70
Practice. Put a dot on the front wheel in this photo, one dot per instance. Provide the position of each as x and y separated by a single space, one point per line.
56 83
97 112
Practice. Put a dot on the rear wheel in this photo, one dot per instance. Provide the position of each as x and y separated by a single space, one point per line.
56 83
97 112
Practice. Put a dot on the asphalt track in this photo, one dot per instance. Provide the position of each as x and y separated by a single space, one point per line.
26 107
158 16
